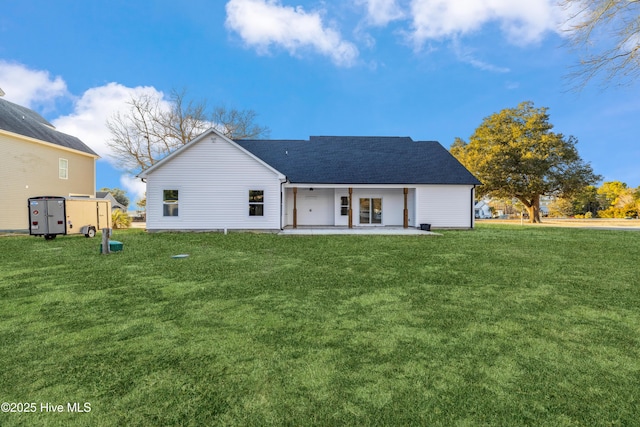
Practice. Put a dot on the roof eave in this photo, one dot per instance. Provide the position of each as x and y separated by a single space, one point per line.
48 144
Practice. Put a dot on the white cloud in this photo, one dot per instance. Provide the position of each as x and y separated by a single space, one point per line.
512 85
89 117
466 55
265 23
381 12
522 22
134 186
27 87
93 108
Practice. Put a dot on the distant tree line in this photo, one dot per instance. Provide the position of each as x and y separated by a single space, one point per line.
613 199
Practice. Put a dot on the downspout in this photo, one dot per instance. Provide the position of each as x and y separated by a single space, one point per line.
473 207
350 207
281 203
295 207
283 198
405 214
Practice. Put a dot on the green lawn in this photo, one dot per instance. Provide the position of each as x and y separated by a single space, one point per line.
497 326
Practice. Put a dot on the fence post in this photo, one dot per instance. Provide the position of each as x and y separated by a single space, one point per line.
106 234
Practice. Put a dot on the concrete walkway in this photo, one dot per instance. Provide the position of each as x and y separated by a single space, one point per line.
305 231
397 231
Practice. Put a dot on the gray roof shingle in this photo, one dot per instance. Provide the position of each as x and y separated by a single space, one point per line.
23 121
361 160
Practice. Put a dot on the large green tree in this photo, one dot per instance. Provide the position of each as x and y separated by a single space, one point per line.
516 155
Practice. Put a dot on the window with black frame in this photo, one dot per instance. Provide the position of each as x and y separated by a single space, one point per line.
256 202
170 202
344 205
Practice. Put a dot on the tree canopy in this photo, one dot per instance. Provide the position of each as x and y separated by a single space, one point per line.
515 154
613 199
118 194
153 127
607 35
618 200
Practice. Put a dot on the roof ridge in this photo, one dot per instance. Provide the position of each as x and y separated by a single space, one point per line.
27 122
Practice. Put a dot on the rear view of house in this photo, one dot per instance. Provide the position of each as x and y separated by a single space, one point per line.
37 160
214 183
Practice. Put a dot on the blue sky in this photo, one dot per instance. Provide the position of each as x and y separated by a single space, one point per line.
429 69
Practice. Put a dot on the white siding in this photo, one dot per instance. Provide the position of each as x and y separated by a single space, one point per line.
445 206
321 207
213 178
314 207
392 204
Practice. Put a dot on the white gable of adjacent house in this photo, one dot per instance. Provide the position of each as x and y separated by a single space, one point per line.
213 176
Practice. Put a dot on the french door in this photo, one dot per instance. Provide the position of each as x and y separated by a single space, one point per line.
370 211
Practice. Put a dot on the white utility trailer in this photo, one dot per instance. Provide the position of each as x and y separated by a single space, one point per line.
52 215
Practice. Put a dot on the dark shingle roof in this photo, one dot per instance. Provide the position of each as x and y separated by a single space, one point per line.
361 160
23 121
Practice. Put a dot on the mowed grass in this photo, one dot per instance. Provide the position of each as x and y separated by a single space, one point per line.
497 326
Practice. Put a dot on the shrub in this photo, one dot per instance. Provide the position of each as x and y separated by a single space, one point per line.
120 219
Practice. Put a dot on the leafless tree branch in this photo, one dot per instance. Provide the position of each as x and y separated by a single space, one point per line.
607 35
152 128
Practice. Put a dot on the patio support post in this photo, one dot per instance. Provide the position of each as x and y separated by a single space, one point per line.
295 207
405 223
350 207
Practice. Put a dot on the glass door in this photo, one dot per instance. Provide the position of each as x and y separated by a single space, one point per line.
370 211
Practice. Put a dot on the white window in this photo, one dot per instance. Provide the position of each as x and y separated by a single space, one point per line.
256 202
63 168
169 202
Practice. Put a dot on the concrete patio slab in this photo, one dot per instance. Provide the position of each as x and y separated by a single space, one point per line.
398 231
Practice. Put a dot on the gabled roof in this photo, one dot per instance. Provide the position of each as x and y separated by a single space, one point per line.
26 122
109 196
211 132
361 160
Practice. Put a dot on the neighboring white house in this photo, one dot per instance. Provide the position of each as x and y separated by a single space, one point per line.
115 205
483 210
214 183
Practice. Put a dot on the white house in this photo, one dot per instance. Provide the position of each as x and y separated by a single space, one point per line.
483 210
214 183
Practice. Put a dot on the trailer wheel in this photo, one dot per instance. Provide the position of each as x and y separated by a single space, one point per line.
49 236
91 232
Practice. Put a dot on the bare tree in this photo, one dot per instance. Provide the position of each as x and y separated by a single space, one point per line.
153 127
607 33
